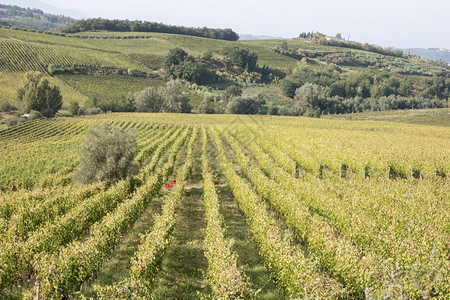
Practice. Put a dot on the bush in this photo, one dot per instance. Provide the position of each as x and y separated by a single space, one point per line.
206 106
149 100
239 105
74 108
232 91
48 112
34 115
5 106
93 111
14 121
107 153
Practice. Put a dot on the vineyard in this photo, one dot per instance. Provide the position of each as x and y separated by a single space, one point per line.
228 207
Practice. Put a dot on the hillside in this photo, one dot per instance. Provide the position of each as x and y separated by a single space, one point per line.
32 18
349 77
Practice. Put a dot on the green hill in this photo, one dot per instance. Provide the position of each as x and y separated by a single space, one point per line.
33 18
350 77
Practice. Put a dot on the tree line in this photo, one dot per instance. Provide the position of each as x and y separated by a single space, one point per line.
145 26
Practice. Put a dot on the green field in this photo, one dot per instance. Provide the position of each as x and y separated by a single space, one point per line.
263 207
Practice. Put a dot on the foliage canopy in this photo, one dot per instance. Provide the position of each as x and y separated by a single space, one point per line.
107 153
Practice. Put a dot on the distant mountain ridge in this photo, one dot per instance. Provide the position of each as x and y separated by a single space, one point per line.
247 37
430 53
46 8
33 18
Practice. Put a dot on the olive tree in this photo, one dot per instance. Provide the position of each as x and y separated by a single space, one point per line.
107 153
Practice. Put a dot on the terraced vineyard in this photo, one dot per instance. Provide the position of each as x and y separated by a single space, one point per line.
229 207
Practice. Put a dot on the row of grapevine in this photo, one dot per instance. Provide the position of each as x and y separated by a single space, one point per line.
375 156
226 280
20 56
295 274
338 255
162 147
146 262
390 198
59 275
150 147
31 214
18 255
17 57
374 244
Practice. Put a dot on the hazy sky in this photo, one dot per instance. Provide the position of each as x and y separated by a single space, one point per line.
398 23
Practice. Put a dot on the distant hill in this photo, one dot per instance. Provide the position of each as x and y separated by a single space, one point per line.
46 8
100 24
105 66
430 53
33 18
247 37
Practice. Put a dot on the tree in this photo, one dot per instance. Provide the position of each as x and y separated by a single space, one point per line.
288 87
107 153
232 91
178 64
91 102
240 105
175 100
241 57
148 100
73 108
37 94
284 45
206 106
190 70
310 100
175 57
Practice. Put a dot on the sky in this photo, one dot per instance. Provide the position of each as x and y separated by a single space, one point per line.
388 23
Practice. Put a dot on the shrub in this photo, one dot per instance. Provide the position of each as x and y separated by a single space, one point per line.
93 111
106 153
206 106
148 100
34 115
5 106
232 91
14 121
48 112
239 105
74 108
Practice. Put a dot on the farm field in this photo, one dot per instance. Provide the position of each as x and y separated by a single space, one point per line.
228 206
